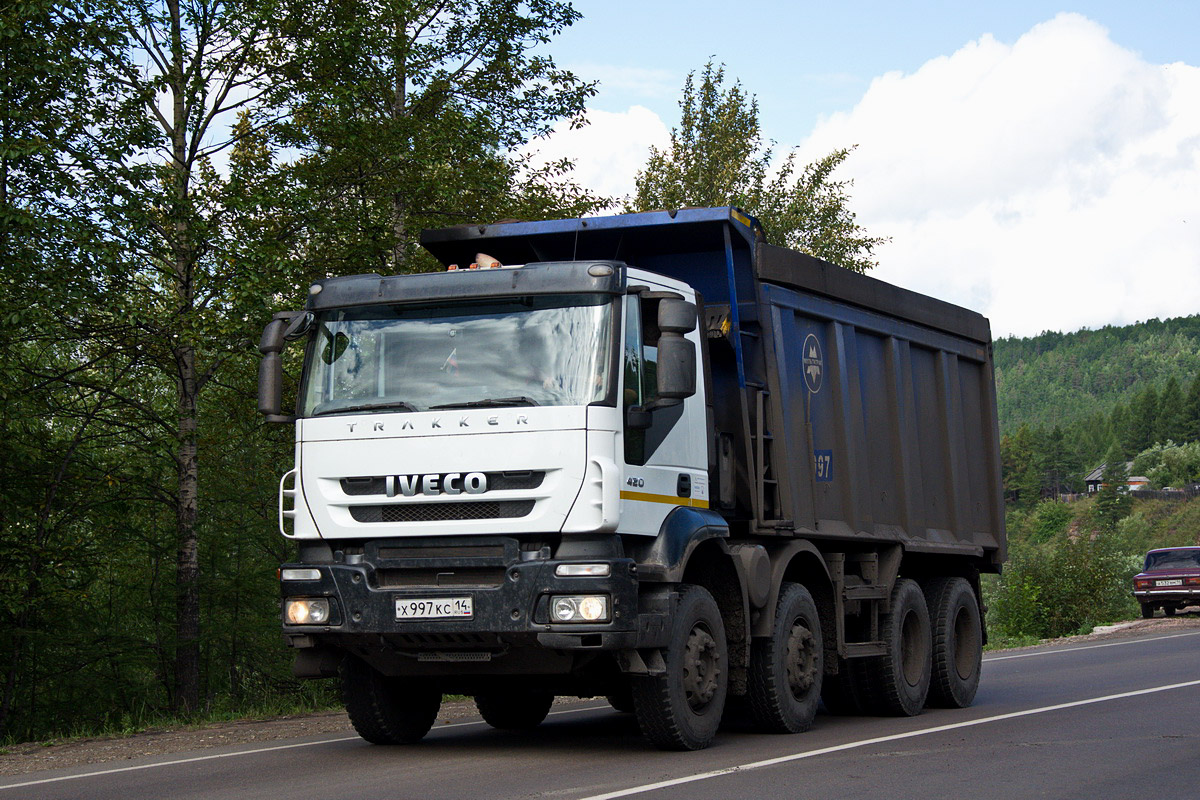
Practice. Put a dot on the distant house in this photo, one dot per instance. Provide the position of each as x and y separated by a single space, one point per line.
1095 479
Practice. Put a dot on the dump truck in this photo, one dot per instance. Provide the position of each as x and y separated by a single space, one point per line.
647 457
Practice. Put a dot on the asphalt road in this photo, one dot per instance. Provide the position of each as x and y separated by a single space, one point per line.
1112 719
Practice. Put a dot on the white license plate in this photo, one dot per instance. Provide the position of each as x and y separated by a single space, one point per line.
435 608
1175 582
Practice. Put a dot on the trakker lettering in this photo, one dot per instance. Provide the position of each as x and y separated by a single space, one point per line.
447 483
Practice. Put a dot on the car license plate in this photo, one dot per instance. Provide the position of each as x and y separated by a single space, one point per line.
435 608
1173 582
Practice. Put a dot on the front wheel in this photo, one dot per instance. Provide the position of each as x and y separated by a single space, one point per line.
681 708
786 668
1169 611
387 710
514 710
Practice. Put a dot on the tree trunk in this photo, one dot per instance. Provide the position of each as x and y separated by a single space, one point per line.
187 574
399 111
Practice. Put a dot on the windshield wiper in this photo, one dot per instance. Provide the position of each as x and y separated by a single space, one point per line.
520 400
400 404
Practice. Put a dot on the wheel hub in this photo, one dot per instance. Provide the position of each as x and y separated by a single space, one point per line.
701 668
801 659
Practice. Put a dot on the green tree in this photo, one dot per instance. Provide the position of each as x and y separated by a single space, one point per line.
717 157
1191 412
405 113
1021 466
1113 502
1143 421
1171 425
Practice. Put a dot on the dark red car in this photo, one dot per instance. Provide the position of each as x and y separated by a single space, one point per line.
1170 580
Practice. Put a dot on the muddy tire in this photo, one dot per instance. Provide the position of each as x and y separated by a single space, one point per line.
514 710
681 709
957 642
897 683
387 710
786 668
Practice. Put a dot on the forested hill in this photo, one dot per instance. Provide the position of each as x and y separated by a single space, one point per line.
1064 378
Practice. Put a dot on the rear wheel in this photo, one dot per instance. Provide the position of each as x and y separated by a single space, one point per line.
957 642
1147 611
387 710
897 683
787 667
514 709
681 708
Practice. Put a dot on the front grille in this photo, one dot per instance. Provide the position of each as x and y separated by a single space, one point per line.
497 482
448 551
457 577
442 512
357 487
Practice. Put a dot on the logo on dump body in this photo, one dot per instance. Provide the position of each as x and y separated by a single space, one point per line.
814 363
444 483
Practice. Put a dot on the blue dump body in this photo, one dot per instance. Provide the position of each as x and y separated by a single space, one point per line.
843 407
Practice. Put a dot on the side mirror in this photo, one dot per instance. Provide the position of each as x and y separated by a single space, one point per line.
637 418
676 355
270 368
676 315
676 367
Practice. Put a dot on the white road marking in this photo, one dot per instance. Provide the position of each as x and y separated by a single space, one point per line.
770 762
273 748
1089 647
677 781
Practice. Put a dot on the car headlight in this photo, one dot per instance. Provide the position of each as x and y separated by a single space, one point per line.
307 611
580 608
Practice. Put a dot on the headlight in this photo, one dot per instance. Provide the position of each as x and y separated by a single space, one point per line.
580 608
314 611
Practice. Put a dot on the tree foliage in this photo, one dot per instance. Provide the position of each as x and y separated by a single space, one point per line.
405 113
717 157
171 173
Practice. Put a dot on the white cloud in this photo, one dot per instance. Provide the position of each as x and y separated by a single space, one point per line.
609 151
1050 184
644 81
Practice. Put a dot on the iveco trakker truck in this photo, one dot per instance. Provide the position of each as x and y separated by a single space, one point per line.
649 457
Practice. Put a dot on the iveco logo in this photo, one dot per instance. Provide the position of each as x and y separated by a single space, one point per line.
449 483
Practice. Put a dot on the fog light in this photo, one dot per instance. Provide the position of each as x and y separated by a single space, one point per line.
564 609
307 612
580 608
583 570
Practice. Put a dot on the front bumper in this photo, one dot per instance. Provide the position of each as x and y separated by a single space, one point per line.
510 589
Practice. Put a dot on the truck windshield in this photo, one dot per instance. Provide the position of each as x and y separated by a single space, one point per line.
522 351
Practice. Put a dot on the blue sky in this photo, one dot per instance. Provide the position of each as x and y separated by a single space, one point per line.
1038 163
805 59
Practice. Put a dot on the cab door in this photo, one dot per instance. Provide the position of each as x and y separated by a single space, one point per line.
666 462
